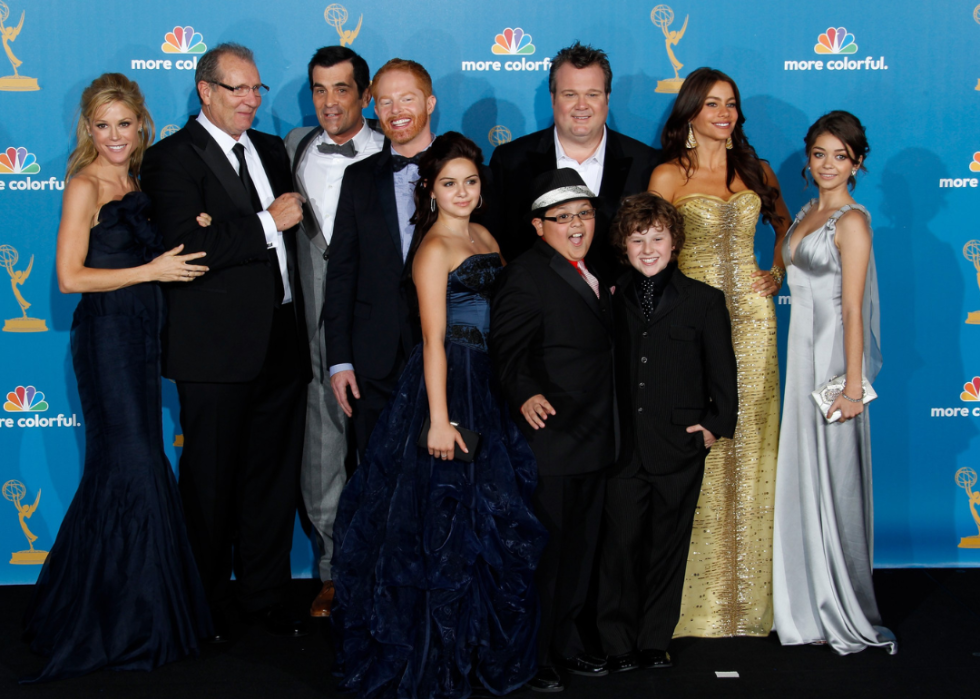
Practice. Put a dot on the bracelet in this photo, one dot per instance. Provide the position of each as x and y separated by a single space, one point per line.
778 275
848 398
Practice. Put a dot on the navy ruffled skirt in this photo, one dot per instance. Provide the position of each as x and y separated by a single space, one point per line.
434 560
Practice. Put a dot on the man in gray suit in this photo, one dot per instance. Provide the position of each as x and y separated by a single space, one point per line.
340 82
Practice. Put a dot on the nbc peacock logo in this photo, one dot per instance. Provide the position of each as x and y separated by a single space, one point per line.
183 40
17 161
970 394
837 45
971 391
25 399
836 40
30 403
513 42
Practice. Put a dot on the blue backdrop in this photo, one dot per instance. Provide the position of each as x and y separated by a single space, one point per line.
908 72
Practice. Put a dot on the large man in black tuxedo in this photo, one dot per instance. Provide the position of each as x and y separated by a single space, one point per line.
551 342
677 393
235 339
610 163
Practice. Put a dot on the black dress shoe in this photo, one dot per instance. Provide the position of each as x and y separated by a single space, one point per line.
547 680
584 664
623 663
278 621
222 630
654 659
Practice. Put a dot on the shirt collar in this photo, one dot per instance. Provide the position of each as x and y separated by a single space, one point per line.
598 157
225 141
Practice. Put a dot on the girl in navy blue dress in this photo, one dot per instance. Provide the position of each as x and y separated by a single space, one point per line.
435 557
119 588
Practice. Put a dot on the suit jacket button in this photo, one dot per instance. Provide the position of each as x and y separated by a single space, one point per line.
643 359
639 410
642 385
326 255
644 333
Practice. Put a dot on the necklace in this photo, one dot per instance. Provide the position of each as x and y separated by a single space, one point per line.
451 232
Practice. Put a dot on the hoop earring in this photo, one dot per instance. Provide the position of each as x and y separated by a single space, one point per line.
691 141
432 204
481 202
729 144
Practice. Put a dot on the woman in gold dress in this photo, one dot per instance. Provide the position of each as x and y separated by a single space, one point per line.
720 186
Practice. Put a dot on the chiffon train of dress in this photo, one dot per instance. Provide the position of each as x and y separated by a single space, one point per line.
824 527
119 588
434 560
727 586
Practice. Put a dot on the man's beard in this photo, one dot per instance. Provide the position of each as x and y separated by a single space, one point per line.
406 135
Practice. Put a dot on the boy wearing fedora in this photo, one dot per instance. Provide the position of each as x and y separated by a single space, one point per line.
551 342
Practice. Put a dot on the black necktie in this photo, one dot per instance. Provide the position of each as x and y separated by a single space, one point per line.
253 196
246 179
345 149
648 296
400 162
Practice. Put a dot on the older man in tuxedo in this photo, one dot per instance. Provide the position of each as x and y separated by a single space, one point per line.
235 341
610 163
340 86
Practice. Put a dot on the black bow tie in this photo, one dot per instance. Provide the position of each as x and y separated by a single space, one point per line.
400 162
347 149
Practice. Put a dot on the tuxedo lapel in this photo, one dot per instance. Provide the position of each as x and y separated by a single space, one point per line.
311 224
543 158
674 293
564 269
615 170
210 152
384 182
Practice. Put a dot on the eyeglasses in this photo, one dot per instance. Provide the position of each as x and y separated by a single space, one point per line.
585 215
243 90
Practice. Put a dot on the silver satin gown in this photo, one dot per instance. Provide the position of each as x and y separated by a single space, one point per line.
824 525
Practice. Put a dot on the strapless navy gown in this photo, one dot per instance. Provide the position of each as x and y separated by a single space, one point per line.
434 560
119 588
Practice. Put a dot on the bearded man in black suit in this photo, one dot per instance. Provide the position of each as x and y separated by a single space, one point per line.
610 163
235 340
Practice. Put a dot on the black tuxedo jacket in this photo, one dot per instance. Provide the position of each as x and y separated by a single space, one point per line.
218 325
626 170
368 313
549 334
675 370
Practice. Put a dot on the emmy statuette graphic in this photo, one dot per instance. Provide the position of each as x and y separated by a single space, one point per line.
336 17
15 82
15 491
8 258
499 135
966 478
663 17
971 251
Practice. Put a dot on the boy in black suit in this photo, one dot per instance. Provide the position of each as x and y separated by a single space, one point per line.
551 341
677 394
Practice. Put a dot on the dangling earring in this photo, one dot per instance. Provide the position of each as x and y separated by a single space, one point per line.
432 204
854 172
481 202
691 141
729 144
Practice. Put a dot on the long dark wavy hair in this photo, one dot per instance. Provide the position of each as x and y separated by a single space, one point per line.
848 129
742 158
448 146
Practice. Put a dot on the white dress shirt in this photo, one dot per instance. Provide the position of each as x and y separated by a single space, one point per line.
273 238
591 168
323 173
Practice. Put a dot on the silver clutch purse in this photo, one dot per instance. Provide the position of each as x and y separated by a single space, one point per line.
825 395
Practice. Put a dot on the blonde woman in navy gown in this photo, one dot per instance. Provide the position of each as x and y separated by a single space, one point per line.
824 526
120 588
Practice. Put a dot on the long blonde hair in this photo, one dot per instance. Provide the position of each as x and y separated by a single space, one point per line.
104 90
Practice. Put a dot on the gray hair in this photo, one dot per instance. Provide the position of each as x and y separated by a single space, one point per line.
207 67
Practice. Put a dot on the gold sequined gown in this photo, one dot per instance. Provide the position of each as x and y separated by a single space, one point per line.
728 584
